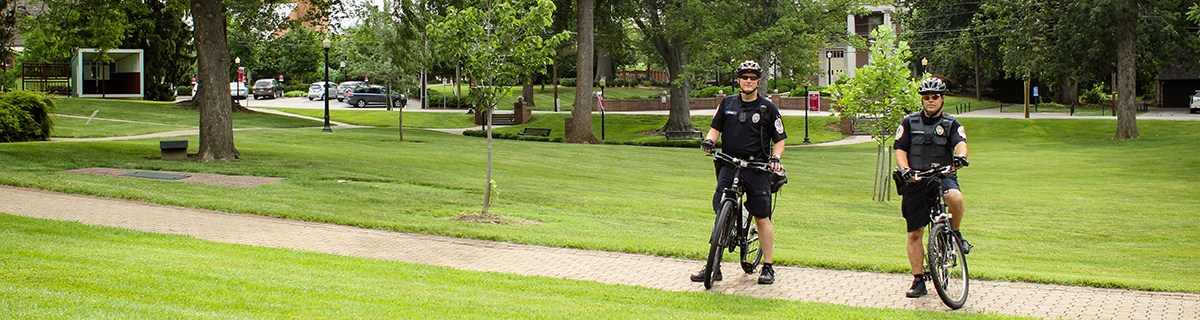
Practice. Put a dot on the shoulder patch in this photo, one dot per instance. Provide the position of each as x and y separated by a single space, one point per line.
778 125
899 132
962 132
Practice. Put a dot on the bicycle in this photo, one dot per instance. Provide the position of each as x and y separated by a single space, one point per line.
734 227
945 262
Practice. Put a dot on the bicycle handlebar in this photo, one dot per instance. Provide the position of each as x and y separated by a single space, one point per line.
940 171
741 162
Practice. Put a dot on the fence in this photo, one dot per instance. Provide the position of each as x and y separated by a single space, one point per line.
52 77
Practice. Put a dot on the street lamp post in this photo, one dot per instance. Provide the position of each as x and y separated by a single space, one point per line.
325 45
828 68
238 62
806 107
924 66
602 108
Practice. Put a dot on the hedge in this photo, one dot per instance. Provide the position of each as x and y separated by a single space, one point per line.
25 116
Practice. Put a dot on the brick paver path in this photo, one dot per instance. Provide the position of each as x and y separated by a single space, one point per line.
862 289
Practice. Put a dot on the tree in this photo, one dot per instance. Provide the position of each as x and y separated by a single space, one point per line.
10 10
212 60
666 25
883 91
498 42
67 25
581 114
1143 32
157 27
382 45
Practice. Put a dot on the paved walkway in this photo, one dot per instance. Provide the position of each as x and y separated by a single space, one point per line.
863 289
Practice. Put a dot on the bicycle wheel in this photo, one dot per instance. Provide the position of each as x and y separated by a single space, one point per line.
717 241
948 267
751 249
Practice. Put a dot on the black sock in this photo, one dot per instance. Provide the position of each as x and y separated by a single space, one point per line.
919 277
767 264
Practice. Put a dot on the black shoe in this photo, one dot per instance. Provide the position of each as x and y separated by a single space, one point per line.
699 276
917 290
767 276
962 242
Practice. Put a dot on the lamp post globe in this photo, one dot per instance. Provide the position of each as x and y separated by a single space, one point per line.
325 45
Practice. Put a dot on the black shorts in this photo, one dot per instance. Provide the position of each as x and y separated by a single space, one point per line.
756 183
918 201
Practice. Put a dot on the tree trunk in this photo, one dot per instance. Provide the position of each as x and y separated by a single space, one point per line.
604 68
581 131
978 81
1126 19
1068 93
212 59
764 84
527 90
680 116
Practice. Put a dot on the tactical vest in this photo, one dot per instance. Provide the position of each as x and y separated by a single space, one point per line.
930 143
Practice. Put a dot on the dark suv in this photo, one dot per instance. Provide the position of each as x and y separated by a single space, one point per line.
264 88
368 95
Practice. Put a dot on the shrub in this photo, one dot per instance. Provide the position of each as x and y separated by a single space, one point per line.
296 94
183 90
566 82
1096 94
25 116
448 100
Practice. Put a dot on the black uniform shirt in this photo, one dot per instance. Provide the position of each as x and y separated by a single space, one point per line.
748 128
904 138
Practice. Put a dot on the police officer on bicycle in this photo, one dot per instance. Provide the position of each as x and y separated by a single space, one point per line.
924 139
751 129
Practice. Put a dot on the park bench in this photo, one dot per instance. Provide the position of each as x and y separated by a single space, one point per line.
173 149
683 135
544 132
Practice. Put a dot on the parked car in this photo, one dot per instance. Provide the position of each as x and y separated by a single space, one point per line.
238 90
315 91
368 95
264 88
1194 107
344 87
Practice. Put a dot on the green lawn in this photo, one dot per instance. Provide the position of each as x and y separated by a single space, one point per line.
1048 200
384 118
55 269
1080 110
168 113
544 99
65 127
967 104
618 128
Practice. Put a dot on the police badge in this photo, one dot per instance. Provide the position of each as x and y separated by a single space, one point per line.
939 130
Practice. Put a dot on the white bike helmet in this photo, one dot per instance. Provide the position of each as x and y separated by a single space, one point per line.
932 85
749 66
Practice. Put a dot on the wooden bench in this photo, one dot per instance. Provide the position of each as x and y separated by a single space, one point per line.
173 149
683 135
544 132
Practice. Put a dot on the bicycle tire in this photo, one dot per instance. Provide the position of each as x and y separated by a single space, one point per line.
751 249
948 267
717 243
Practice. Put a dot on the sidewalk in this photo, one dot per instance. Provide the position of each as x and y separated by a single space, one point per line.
863 289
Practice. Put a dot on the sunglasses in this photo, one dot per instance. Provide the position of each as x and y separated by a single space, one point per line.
931 97
751 78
